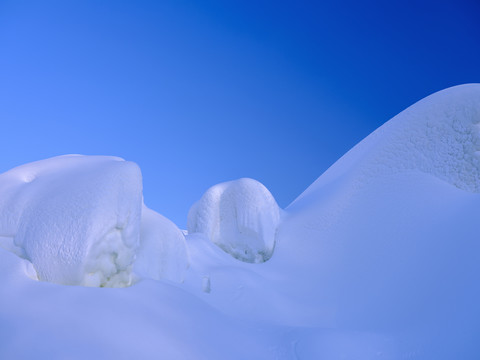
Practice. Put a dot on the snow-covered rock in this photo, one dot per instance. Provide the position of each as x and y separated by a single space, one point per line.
76 218
239 216
163 252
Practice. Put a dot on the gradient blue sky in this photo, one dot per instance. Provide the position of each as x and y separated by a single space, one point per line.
200 92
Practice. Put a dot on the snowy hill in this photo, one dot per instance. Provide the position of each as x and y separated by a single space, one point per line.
377 259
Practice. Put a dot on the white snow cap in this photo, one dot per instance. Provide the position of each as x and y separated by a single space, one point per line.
76 218
163 251
240 216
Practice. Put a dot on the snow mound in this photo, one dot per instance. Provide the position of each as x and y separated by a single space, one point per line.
390 234
76 218
240 216
163 251
439 135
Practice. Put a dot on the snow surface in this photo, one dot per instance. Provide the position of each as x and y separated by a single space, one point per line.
239 216
76 218
163 251
378 259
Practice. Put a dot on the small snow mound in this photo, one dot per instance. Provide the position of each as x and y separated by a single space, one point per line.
240 216
163 251
76 218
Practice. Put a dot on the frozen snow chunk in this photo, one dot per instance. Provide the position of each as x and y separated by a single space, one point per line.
163 252
76 218
240 216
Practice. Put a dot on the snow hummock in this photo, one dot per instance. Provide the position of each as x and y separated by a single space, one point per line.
240 216
76 218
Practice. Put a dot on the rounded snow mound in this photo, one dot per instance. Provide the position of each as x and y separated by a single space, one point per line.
76 218
163 252
240 216
439 135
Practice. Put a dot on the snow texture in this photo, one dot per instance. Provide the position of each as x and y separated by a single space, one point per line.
163 252
439 135
240 216
76 218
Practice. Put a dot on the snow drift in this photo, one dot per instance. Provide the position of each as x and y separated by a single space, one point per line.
439 135
390 232
239 216
76 218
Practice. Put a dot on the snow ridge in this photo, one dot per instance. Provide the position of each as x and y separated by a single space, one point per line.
439 135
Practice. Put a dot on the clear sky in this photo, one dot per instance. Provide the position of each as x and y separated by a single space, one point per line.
200 92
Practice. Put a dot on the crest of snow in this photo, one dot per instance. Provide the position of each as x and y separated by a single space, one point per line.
163 252
76 218
439 135
239 216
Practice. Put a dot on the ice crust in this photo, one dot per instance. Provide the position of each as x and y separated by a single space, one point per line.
240 216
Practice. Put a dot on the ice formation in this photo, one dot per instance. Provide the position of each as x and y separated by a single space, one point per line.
76 218
239 216
163 252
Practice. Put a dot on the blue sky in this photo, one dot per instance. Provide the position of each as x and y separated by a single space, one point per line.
200 92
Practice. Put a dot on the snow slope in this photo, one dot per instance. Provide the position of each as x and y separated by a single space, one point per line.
390 233
163 251
378 259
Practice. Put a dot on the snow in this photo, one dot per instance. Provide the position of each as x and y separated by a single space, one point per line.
76 218
240 216
439 135
163 251
377 259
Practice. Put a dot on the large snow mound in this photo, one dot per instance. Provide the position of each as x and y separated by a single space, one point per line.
390 233
239 216
163 251
76 218
439 135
